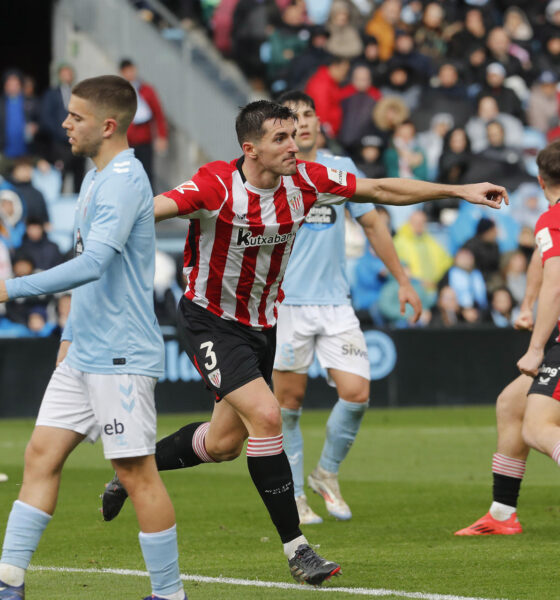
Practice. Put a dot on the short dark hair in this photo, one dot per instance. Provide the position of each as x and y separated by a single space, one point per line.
251 118
296 97
548 161
125 62
112 94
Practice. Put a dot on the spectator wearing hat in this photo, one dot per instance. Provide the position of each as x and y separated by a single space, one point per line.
542 111
484 247
401 84
148 130
358 100
53 110
368 156
18 119
305 64
507 100
552 26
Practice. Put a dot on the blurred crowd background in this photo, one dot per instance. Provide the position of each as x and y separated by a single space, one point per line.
455 91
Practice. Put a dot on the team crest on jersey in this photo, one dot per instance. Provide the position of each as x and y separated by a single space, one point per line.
188 185
336 176
295 200
544 240
215 378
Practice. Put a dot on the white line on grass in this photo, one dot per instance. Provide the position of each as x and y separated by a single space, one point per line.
371 592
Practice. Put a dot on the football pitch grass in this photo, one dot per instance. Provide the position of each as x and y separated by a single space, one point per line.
413 477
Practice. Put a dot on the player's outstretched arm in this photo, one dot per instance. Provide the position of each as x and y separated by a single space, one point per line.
87 267
548 313
381 241
400 192
164 208
525 320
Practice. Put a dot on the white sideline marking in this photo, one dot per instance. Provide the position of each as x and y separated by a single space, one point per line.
371 592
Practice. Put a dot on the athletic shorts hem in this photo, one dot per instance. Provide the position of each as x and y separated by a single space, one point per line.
234 387
138 453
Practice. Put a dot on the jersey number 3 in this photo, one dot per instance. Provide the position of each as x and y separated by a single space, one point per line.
210 355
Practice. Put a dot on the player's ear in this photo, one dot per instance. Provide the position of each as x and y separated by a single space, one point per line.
109 127
541 182
249 149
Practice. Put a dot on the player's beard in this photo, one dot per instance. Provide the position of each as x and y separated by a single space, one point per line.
88 148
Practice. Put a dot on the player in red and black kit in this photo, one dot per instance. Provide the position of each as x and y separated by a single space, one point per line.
243 217
528 409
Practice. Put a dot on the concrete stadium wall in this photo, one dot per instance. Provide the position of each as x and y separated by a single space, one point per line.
408 368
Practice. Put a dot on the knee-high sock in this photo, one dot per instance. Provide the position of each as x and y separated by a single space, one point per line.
293 446
507 474
184 448
162 561
342 428
271 474
23 532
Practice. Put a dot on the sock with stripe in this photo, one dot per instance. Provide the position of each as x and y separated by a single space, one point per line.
23 533
162 561
342 428
184 448
272 476
556 454
507 475
293 446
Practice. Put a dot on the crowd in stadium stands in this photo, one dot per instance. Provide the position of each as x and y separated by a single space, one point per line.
450 91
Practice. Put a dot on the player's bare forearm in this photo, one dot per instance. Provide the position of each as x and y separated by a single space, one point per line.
3 292
548 310
534 280
381 241
164 208
401 192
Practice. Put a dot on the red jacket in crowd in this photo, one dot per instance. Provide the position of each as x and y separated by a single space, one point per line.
143 133
326 94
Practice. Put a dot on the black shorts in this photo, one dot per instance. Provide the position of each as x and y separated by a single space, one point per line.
547 382
226 354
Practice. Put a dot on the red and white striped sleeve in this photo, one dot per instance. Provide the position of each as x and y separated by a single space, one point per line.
204 194
333 186
547 233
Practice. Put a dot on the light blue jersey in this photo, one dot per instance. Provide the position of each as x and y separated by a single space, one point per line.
112 324
114 327
316 272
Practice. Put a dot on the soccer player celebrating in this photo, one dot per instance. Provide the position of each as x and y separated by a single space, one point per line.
316 317
112 350
243 217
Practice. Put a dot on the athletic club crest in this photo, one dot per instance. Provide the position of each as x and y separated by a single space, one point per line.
295 201
215 378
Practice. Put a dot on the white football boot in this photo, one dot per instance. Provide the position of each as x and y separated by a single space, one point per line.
306 514
325 484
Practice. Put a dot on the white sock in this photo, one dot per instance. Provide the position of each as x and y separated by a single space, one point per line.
501 512
11 575
291 547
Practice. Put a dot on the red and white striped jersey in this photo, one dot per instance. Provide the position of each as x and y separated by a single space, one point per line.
240 237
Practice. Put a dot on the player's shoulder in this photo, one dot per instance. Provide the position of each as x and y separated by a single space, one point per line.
550 218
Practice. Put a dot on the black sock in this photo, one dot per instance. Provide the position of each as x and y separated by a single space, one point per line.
176 450
506 489
272 477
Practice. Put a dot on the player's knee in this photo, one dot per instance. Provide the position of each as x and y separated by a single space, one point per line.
267 421
225 450
357 394
39 457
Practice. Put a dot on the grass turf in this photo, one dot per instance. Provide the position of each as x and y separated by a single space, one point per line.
413 477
